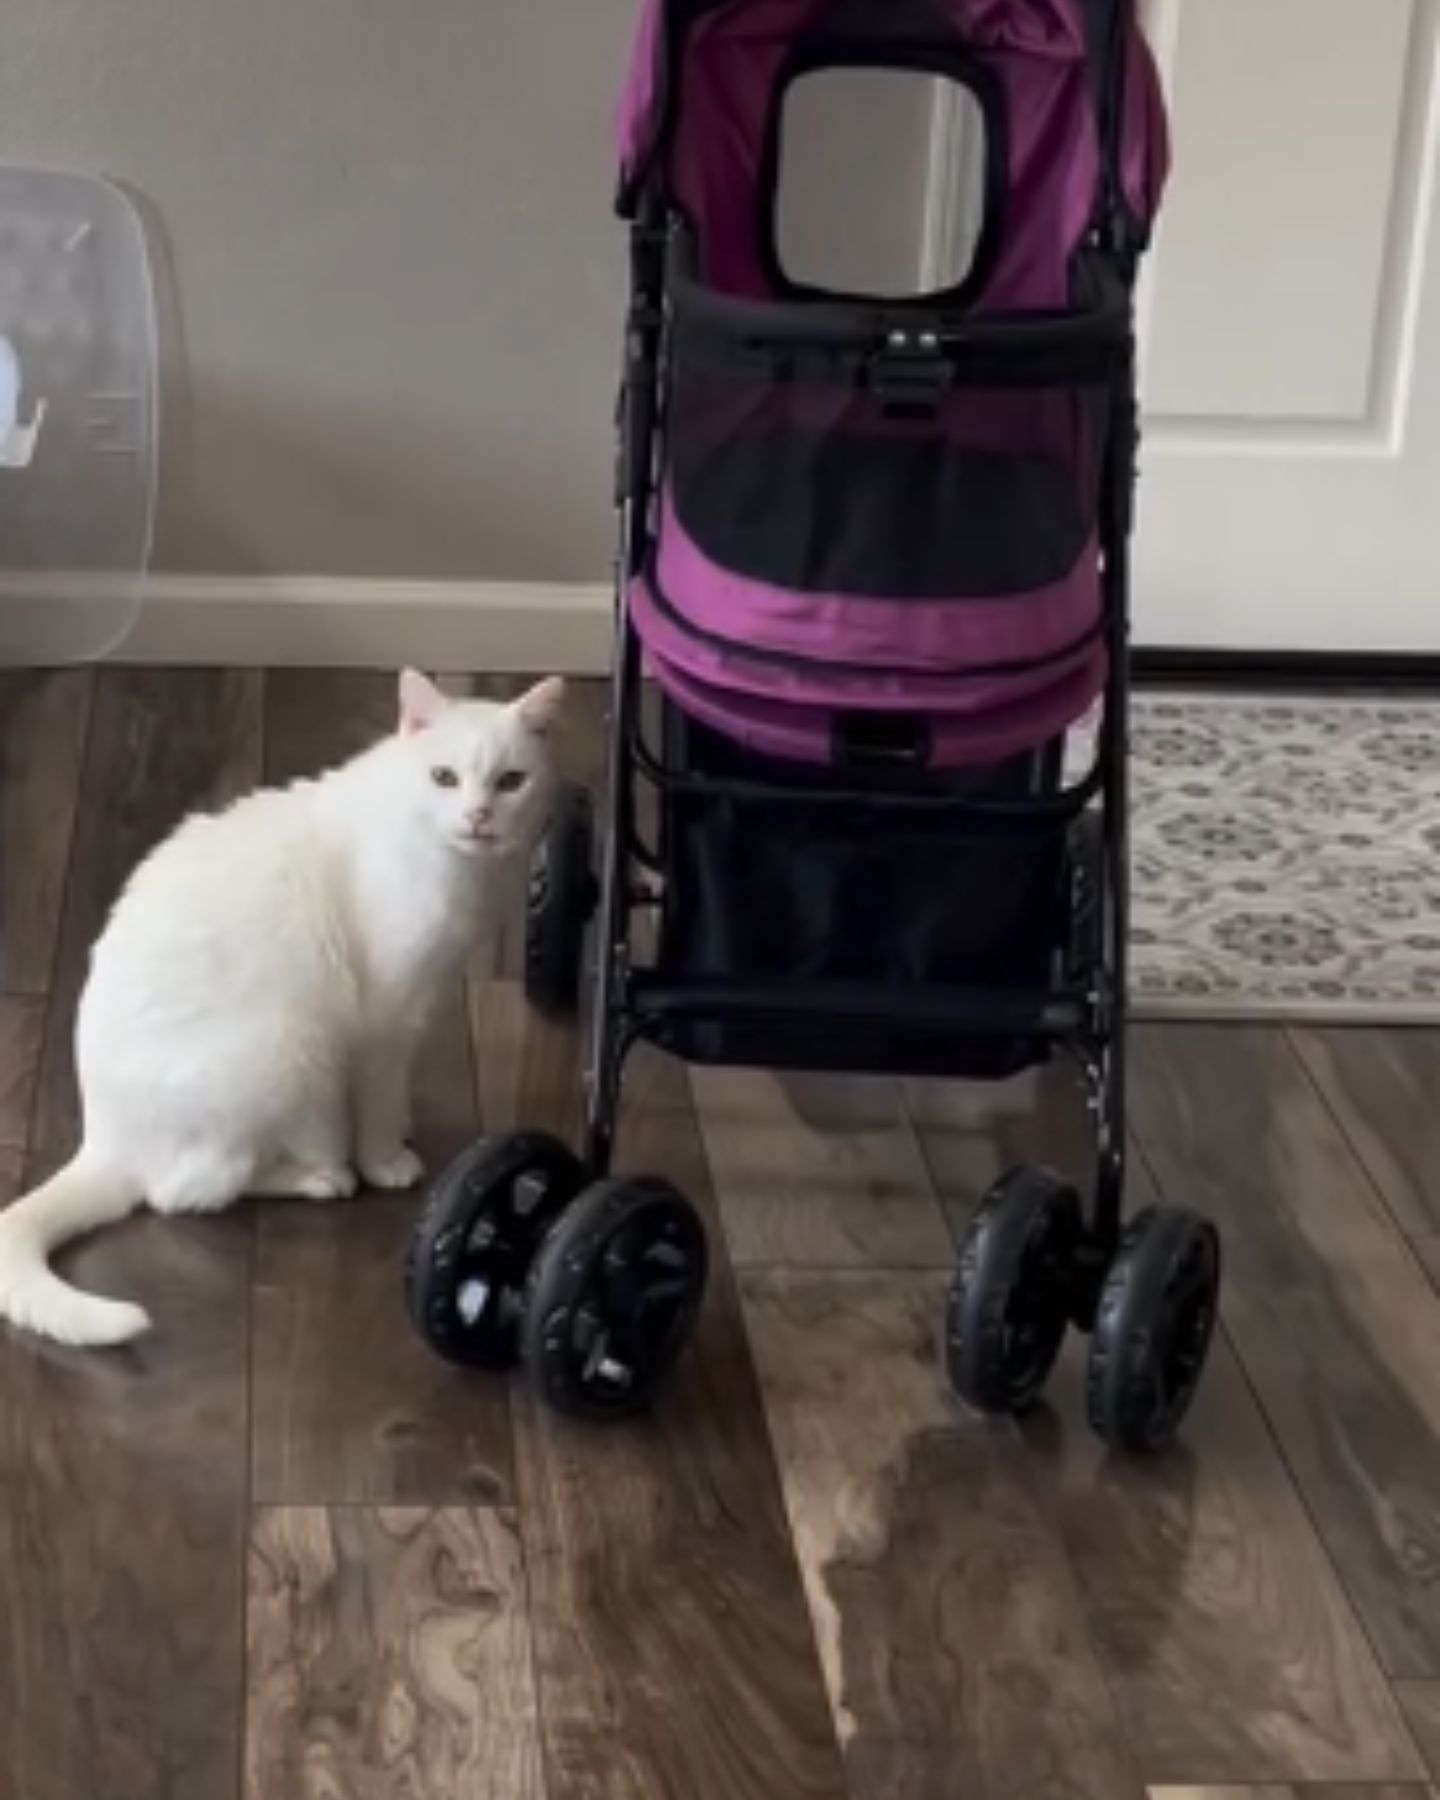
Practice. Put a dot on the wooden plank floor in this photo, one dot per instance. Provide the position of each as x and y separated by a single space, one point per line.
279 1552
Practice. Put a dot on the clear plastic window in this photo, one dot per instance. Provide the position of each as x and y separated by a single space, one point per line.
881 182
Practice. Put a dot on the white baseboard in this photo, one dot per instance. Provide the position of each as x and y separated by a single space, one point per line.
305 621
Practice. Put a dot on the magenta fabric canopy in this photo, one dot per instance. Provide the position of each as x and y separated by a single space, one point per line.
708 75
821 544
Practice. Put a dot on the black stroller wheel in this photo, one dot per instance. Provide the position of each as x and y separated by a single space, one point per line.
560 901
613 1299
1153 1328
1010 1301
471 1253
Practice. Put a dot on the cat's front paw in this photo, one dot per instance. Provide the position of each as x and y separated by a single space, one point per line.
326 1184
400 1169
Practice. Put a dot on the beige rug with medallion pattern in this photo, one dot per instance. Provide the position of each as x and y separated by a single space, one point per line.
1286 858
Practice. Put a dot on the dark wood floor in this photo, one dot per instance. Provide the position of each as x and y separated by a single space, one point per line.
277 1551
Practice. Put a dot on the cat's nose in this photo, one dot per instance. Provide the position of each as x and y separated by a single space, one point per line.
479 816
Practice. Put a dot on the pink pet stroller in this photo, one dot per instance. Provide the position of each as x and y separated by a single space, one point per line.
875 556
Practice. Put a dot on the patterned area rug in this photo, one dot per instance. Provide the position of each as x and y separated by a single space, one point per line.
1286 858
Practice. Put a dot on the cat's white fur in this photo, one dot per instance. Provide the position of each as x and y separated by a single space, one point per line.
254 1001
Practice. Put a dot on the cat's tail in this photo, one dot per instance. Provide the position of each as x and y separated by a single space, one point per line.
83 1196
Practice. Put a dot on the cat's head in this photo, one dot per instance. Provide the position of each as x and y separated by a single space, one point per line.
482 771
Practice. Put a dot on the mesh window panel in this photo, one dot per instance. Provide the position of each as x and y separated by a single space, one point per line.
802 467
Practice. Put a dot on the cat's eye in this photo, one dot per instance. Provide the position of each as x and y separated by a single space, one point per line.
446 778
511 782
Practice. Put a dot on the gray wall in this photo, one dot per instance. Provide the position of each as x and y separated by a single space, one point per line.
392 279
391 282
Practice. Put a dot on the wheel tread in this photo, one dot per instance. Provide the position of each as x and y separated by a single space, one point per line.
555 1289
456 1201
1120 1375
989 1279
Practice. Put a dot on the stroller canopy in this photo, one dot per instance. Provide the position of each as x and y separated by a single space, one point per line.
700 118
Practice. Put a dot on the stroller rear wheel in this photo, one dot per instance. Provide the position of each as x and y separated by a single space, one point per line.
1153 1328
613 1298
471 1254
1011 1299
559 904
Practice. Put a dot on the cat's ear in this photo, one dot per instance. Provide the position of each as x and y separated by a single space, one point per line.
421 702
539 707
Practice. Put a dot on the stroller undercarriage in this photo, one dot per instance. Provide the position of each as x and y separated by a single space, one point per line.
877 905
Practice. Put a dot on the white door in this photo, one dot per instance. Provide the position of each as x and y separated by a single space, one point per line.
1291 490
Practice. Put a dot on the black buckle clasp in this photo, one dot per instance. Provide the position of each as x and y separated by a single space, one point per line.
910 373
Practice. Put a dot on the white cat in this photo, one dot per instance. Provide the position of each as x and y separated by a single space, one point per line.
254 1002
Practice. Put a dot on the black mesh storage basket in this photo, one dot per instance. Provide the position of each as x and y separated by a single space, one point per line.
783 893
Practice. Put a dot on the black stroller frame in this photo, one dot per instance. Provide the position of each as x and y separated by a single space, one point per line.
1037 1259
1087 1020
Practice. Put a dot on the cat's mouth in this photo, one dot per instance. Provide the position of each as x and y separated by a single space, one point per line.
475 843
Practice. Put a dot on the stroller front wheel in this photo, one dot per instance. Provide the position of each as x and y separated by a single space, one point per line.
613 1298
1011 1299
1153 1328
472 1250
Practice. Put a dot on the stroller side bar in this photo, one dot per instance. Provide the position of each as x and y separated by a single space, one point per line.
1058 1015
611 1034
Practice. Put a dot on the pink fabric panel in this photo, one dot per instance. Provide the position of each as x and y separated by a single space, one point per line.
917 637
1050 191
727 90
803 734
732 64
640 98
1038 27
731 70
732 666
1146 148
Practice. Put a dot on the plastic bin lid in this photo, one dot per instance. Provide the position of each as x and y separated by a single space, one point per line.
77 416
